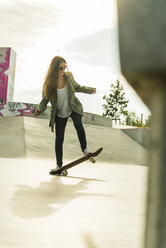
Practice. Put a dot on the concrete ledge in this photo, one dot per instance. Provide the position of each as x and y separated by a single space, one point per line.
88 118
12 140
140 135
97 120
26 109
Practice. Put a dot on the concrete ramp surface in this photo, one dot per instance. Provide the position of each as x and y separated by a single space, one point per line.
31 138
96 205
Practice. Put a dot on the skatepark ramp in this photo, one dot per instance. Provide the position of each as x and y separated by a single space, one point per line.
25 137
114 189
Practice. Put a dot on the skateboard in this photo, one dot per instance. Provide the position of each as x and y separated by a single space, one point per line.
89 156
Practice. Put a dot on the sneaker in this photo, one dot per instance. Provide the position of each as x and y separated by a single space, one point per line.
55 169
63 173
86 151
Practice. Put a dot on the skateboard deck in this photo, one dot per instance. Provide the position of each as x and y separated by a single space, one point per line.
76 162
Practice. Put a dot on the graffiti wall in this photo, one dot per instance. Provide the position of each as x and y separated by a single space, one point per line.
17 109
7 75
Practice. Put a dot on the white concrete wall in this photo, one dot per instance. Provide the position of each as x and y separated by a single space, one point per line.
95 119
140 135
88 118
11 75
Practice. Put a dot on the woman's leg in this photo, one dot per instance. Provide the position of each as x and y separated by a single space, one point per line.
60 131
77 120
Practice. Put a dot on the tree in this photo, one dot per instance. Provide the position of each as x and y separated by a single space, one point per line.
115 101
148 121
132 120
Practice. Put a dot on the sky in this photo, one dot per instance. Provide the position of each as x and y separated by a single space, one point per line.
85 33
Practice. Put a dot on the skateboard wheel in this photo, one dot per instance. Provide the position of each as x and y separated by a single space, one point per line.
92 160
64 173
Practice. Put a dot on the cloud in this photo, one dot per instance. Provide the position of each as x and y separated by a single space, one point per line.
22 22
99 48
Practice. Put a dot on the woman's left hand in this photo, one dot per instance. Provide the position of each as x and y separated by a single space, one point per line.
94 91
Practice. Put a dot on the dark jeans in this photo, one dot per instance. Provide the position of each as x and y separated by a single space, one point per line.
60 131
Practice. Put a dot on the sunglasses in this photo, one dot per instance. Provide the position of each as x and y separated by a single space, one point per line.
62 68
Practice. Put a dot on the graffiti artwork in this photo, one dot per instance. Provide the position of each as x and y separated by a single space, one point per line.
17 109
7 73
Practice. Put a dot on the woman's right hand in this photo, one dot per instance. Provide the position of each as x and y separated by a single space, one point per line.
36 112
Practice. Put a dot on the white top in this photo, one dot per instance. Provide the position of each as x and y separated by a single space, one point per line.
63 103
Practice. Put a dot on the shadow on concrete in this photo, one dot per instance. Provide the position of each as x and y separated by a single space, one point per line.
87 179
88 240
29 202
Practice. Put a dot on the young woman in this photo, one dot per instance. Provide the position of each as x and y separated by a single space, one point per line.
59 89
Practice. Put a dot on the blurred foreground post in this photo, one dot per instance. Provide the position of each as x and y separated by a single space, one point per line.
142 37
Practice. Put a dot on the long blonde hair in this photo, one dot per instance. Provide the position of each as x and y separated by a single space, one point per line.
51 78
